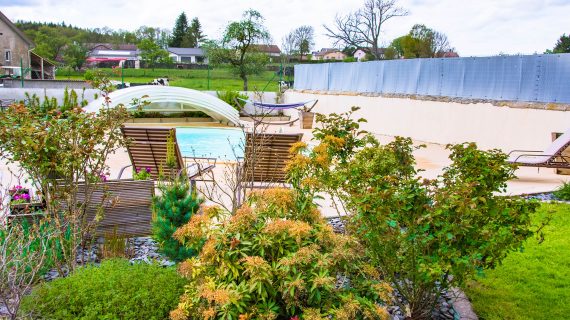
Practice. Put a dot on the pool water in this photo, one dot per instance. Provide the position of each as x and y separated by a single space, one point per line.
220 143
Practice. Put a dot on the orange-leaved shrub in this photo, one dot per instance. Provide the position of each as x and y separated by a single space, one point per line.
276 258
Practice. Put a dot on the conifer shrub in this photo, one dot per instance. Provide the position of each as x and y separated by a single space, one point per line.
276 258
172 209
114 290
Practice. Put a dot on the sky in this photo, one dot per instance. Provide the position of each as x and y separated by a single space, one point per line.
474 28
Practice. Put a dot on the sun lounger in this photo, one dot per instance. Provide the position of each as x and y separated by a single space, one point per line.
147 148
550 158
266 156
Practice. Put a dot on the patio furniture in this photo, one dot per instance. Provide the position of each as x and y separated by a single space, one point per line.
148 148
266 156
552 157
126 207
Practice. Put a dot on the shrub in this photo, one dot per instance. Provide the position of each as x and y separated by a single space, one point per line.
425 235
233 98
172 209
26 254
276 258
114 290
563 192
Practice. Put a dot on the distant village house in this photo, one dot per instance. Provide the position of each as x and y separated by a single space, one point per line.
17 56
187 55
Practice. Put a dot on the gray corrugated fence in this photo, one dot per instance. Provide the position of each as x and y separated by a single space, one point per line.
540 78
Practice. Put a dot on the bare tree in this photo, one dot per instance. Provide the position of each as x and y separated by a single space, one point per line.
288 46
304 40
363 28
440 44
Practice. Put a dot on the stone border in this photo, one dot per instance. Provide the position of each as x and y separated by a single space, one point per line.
497 103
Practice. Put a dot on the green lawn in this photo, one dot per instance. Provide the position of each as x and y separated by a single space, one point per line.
533 284
220 79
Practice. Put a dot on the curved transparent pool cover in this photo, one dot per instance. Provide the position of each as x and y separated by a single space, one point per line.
220 143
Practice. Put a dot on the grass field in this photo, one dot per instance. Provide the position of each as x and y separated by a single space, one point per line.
220 79
533 284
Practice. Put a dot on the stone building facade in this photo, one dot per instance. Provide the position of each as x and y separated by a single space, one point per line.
14 46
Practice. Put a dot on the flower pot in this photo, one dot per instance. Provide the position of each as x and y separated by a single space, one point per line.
306 119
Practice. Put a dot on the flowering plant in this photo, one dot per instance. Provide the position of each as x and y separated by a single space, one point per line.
142 173
20 198
19 195
275 259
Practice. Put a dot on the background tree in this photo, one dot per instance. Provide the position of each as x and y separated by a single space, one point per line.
363 27
562 45
195 35
304 40
152 53
75 55
49 42
288 47
420 42
236 47
179 31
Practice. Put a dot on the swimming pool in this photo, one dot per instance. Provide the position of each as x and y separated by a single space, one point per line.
221 143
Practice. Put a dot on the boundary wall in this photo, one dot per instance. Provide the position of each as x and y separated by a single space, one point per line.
490 126
532 78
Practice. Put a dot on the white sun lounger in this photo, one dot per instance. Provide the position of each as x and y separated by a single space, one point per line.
549 158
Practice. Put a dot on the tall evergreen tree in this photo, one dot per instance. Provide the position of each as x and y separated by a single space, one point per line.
180 30
195 33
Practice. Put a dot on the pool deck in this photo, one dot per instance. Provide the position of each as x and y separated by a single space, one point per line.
431 160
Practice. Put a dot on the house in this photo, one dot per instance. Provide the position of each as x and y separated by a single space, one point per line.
17 55
360 53
329 54
187 55
109 55
449 54
271 50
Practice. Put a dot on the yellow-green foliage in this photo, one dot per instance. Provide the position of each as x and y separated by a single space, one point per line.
275 258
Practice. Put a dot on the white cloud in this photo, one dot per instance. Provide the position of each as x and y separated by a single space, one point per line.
483 27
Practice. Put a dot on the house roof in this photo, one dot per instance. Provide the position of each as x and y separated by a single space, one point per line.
267 48
15 29
325 51
186 51
37 58
111 46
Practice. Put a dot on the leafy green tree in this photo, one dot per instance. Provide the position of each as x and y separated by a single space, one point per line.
236 47
173 209
49 42
152 53
179 32
420 42
562 45
75 55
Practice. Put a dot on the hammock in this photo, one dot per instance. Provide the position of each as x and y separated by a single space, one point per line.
279 106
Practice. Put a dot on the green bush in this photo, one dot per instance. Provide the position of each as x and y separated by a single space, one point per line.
233 98
563 192
424 235
114 290
276 258
172 209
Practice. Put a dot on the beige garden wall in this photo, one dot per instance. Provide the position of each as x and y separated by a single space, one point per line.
489 126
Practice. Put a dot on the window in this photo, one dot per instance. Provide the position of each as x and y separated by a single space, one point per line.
8 55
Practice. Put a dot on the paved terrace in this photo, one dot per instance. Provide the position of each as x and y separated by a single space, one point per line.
431 159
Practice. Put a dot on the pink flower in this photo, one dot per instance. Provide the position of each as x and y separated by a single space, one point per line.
294 318
148 169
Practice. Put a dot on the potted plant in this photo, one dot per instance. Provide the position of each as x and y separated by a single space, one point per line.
306 118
